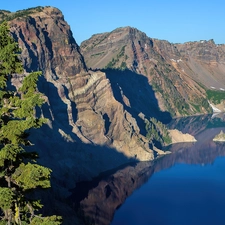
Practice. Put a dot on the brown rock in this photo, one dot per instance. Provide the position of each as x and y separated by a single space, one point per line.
177 137
83 114
173 70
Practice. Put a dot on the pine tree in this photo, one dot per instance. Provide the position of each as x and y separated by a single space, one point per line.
19 172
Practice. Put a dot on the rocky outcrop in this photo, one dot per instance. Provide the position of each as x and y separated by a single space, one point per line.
86 121
205 62
219 137
47 43
178 137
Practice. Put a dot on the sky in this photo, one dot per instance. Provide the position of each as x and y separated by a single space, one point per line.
172 20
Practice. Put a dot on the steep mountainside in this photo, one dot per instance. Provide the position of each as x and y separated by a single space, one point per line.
86 120
174 71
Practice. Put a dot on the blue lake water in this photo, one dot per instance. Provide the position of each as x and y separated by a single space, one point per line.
181 195
186 187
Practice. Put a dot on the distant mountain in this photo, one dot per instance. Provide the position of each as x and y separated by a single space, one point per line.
179 74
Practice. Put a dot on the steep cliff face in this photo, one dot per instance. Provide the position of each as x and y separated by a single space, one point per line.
174 71
86 121
47 43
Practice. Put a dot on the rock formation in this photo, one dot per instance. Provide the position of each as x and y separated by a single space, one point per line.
174 71
177 137
86 121
219 137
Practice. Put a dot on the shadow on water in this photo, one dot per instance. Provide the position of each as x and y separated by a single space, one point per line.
96 201
135 93
65 154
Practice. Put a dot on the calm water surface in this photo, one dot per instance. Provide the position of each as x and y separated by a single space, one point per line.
183 194
186 187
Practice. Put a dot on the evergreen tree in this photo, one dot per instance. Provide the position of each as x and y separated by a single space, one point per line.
19 172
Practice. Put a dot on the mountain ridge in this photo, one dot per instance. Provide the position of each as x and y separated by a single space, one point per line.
129 48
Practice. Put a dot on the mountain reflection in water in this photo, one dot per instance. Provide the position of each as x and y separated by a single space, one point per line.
98 200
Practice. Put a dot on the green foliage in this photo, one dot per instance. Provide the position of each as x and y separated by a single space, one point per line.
9 153
122 51
6 198
9 55
157 131
123 66
215 96
199 103
97 54
51 220
21 13
19 175
30 176
114 61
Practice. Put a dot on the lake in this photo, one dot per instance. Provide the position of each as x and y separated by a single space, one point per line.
186 187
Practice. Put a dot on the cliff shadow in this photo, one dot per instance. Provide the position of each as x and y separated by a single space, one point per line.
137 96
58 133
71 162
64 153
100 198
30 62
56 110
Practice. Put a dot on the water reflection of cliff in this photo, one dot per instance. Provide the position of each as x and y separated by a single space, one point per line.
108 192
98 200
196 124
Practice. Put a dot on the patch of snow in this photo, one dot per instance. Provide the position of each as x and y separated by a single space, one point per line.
174 60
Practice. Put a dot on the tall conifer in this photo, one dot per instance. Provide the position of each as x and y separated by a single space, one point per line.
19 172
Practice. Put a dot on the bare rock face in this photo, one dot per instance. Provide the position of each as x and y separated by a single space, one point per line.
219 137
177 137
205 62
174 71
88 131
47 43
